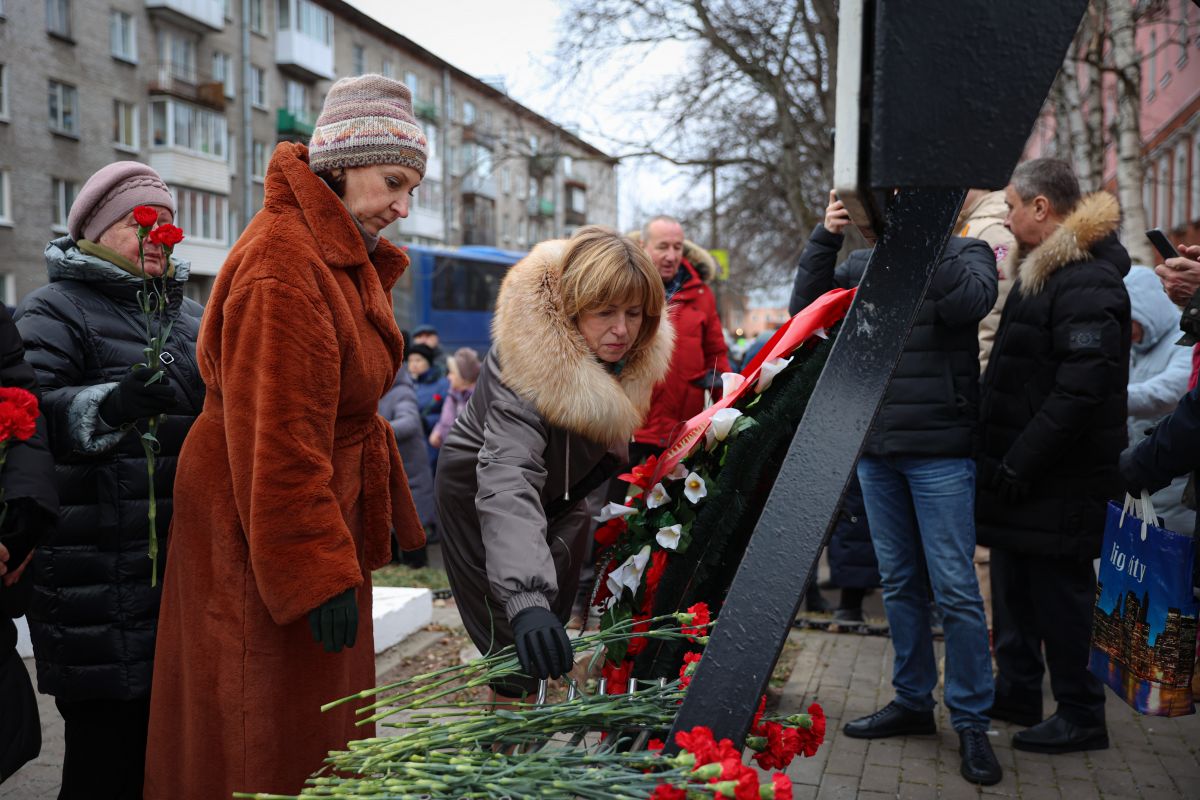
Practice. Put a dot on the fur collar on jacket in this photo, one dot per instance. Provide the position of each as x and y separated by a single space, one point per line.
545 360
1095 217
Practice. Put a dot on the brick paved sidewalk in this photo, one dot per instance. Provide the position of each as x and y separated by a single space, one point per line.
850 675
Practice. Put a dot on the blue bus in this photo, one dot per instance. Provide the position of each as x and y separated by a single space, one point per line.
454 290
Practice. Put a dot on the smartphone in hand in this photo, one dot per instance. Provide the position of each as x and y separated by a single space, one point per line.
1161 243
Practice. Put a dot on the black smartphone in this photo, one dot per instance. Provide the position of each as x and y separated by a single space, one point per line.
1161 243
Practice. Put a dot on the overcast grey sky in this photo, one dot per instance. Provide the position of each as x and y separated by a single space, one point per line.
516 40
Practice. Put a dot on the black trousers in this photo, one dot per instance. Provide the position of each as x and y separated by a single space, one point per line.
105 748
1046 602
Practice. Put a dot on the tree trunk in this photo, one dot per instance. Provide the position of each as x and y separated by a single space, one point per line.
1094 93
1131 173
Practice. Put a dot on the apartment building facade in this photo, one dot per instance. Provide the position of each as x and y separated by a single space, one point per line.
203 90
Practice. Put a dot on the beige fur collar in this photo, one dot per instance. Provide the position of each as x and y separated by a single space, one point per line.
1096 216
545 359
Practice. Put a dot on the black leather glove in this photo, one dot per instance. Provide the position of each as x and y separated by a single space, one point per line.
542 644
709 380
26 525
1132 480
1009 486
334 623
133 399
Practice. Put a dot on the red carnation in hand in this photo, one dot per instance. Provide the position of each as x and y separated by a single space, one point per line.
166 235
18 414
145 216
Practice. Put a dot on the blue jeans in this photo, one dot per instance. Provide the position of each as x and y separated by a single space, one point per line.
921 512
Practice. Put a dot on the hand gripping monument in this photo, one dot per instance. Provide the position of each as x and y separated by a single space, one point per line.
932 98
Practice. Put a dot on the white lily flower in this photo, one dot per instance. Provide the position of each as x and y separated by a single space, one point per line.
678 472
658 496
720 425
694 488
668 537
629 574
731 382
612 511
768 372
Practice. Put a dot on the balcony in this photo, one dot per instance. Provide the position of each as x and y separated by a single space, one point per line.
479 235
426 110
540 208
303 56
201 16
541 165
289 125
482 185
181 167
423 222
187 83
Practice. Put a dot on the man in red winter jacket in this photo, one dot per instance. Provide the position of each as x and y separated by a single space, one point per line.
700 352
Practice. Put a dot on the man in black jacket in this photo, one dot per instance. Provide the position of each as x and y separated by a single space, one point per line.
918 486
32 507
1053 425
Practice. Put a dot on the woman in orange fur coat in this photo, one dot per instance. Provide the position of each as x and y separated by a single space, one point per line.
290 483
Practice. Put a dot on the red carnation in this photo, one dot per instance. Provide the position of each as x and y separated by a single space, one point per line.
618 676
732 769
813 736
654 573
166 235
700 620
782 785
18 414
608 533
667 792
145 216
685 672
655 745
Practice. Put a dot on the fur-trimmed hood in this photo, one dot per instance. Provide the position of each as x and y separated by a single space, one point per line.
545 360
1095 218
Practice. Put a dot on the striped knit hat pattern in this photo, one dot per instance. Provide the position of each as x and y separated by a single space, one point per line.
366 120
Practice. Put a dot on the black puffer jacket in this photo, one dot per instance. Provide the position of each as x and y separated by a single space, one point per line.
1053 407
93 615
931 405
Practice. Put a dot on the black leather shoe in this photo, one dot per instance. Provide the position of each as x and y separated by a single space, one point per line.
891 720
1025 712
1058 735
978 762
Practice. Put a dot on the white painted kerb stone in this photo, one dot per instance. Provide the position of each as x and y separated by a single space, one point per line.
397 613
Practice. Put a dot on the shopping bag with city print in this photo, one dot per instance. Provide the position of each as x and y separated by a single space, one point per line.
1144 627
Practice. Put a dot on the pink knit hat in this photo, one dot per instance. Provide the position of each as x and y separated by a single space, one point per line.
111 193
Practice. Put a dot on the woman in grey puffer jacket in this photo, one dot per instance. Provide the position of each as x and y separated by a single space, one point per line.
1158 376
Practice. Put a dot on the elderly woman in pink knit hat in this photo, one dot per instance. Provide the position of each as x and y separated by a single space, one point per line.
94 612
290 484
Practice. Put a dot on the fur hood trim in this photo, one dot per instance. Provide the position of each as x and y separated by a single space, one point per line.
545 360
703 262
1095 217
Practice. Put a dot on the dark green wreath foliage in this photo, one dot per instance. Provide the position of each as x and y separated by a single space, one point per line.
730 512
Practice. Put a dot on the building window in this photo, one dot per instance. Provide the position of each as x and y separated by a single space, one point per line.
3 91
258 87
360 59
387 69
5 202
428 196
1164 194
313 21
222 71
506 181
64 102
122 34
410 80
203 215
297 99
62 195
468 114
1185 25
258 22
577 199
1180 184
125 125
182 125
231 154
8 281
1148 195
259 154
568 164
229 10
1153 67
58 17
176 56
431 141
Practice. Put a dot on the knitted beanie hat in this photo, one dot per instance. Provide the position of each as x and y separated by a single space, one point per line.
367 120
111 193
466 361
422 350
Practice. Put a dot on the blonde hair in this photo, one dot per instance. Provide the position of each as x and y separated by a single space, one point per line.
603 268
